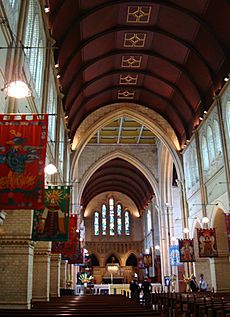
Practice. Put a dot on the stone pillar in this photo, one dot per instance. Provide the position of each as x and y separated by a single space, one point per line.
41 278
63 274
221 274
16 260
55 269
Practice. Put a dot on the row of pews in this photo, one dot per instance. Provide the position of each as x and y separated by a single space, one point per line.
85 305
202 304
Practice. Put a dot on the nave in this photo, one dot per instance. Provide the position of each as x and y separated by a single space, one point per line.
86 305
202 304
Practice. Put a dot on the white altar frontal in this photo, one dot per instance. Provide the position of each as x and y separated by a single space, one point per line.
101 289
111 289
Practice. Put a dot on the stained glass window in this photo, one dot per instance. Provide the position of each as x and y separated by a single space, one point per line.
228 117
103 219
127 223
111 217
111 220
119 219
96 223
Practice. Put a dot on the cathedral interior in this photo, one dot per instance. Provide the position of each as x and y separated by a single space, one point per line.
137 97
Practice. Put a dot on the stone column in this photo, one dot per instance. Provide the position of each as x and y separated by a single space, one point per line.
63 274
16 260
41 278
55 269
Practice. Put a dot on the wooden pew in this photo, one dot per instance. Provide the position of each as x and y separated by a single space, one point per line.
86 305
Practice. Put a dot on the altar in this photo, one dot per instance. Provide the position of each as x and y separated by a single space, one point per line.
113 280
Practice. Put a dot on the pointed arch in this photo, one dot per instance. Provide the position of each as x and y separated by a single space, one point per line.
127 157
147 117
131 260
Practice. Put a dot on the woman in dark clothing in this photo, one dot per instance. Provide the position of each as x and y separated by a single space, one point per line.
135 289
147 291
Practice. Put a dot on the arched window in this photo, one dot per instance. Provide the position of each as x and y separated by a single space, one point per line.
217 138
103 219
38 80
119 219
210 140
187 174
205 154
52 108
111 217
127 223
228 117
12 3
29 30
96 223
111 220
35 41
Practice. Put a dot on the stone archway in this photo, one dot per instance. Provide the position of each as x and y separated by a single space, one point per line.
153 121
125 156
221 263
202 265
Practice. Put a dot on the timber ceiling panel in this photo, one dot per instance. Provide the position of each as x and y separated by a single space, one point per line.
168 55
171 56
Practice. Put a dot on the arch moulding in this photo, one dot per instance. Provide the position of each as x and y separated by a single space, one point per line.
127 157
143 115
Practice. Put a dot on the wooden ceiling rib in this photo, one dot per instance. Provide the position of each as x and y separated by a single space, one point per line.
119 175
168 55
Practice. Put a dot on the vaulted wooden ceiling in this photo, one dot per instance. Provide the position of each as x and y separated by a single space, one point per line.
170 56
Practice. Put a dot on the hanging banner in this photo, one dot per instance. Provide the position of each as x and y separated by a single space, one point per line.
207 242
51 223
227 221
147 259
70 250
186 250
174 255
22 160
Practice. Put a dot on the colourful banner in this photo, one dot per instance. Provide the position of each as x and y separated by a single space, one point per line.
207 242
174 255
227 221
22 160
70 250
51 223
147 259
186 250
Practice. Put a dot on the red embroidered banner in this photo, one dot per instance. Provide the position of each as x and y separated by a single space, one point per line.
186 250
207 242
22 159
227 221
70 250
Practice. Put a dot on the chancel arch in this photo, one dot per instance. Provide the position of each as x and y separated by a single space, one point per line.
122 155
149 118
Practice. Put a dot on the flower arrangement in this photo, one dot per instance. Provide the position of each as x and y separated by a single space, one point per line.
187 279
69 282
84 278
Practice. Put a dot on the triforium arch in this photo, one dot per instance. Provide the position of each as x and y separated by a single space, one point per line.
149 118
125 156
